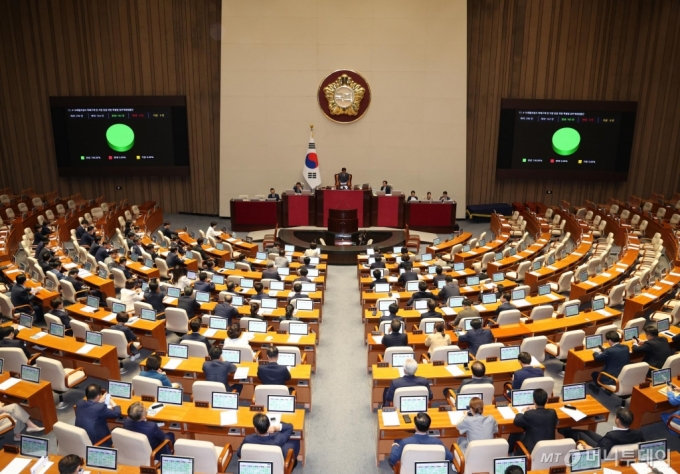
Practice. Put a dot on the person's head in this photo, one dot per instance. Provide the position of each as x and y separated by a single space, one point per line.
261 423
312 246
271 191
431 304
429 194
289 309
135 238
188 291
122 317
445 193
297 287
524 358
272 353
476 324
213 224
440 326
228 299
7 332
540 397
410 367
624 418
166 224
393 308
298 184
202 276
57 303
476 405
199 241
505 297
395 326
153 285
282 252
93 392
258 287
478 369
405 258
377 274
422 286
215 352
384 183
439 270
270 265
307 260
153 362
413 193
72 273
231 286
55 264
107 244
136 411
173 249
21 278
47 257
344 169
422 422
378 258
254 307
448 279
181 251
70 464
234 331
241 257
500 288
130 284
195 325
404 252
612 337
514 469
90 229
303 272
467 303
651 331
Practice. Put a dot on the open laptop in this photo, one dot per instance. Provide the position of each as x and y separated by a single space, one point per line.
298 329
98 458
630 333
661 377
278 405
120 389
33 446
57 330
257 326
651 451
93 302
178 351
381 288
522 398
225 401
457 357
255 467
472 280
573 392
593 342
26 321
498 277
544 290
571 310
468 323
501 464
463 400
203 296
231 355
276 286
148 314
412 285
217 323
247 283
585 460
94 338
432 467
30 374
456 301
598 304
118 308
509 353
171 396
458 267
413 404
489 298
176 464
287 359
400 358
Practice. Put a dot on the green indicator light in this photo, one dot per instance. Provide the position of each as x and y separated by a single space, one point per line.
82 157
566 141
120 137
524 160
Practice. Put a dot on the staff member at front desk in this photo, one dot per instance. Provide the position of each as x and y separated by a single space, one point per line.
343 178
272 195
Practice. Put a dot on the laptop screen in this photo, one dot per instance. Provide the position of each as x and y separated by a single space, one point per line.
663 325
435 467
399 358
509 352
148 263
172 396
284 271
489 298
536 265
456 301
229 265
289 248
501 464
269 303
573 392
412 285
217 323
255 467
276 285
30 374
103 274
189 254
203 296
92 302
385 305
237 300
441 284
33 446
145 286
119 389
231 355
26 320
543 290
118 308
420 304
583 276
246 283
429 327
436 241
585 460
651 451
518 295
101 458
598 304
661 376
56 329
87 266
261 255
257 326
472 281
593 341
463 400
281 403
217 279
148 314
301 329
179 351
94 338
176 464
49 284
396 250
457 357
308 287
432 269
498 277
191 275
498 256
458 267
219 246
522 398
466 248
304 304
468 323
381 287
426 257
225 401
513 251
571 310
413 404
174 292
630 333
551 259
286 358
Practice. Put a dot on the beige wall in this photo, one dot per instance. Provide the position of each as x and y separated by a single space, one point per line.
276 52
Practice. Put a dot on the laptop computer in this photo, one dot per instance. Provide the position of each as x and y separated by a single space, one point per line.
33 446
178 351
573 392
255 467
30 374
413 404
171 396
661 377
176 464
463 400
225 401
98 458
651 451
585 460
94 338
120 389
501 464
522 398
457 357
509 353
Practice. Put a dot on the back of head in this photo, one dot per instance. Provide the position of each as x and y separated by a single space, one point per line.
307 260
410 367
122 317
540 397
130 284
312 246
377 274
56 302
651 331
215 352
303 272
395 325
431 304
476 323
394 308
272 353
477 405
153 362
297 287
258 287
625 417
195 325
136 411
507 296
514 469
153 285
440 327
93 391
478 369
422 286
188 291
261 423
613 336
524 358
202 276
234 331
423 422
21 278
254 307
70 464
270 265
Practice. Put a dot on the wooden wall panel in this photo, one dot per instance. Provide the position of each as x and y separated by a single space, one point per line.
109 47
575 49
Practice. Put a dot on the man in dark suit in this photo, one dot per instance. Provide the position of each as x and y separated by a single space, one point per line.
272 435
272 195
271 272
92 413
406 262
172 260
41 250
395 337
154 296
449 290
198 248
103 251
378 263
136 248
298 188
444 197
259 292
386 188
273 373
467 312
505 303
439 274
526 372
303 276
72 278
476 336
20 296
95 246
615 358
421 436
218 370
538 423
136 421
226 310
408 380
656 349
412 197
87 238
308 264
80 230
422 293
57 305
431 313
195 334
620 435
121 319
188 303
167 232
393 310
7 340
479 376
377 274
408 275
297 289
204 283
343 177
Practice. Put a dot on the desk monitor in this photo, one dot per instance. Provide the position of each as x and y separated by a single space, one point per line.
457 357
381 288
255 467
314 260
456 301
663 325
433 467
217 279
498 256
551 259
518 294
269 303
148 314
384 305
661 377
118 308
225 401
536 265
261 255
94 338
289 248
287 359
466 248
49 284
420 304
26 320
101 458
217 323
512 252
544 290
219 246
189 254
237 300
463 400
22 266
371 261
103 274
34 275
651 451
257 326
585 460
172 396
637 289
281 403
598 304
33 446
481 243
148 263
57 329
173 292
426 257
179 351
498 277
501 464
630 333
370 251
202 296
176 464
415 404
298 329
191 275
87 266
30 374
458 267
436 241
145 286
304 304
118 389
432 270
247 283
231 355
308 287
472 281
489 298
593 342
412 285
573 392
429 327
2 363
571 310
387 328
93 302
400 358
468 323
276 286
509 352
583 276
522 398
396 250
441 284
229 266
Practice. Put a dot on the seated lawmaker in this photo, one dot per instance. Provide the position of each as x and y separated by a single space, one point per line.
378 263
479 376
303 276
281 261
476 426
422 293
438 338
153 371
218 370
137 422
92 414
226 310
198 248
429 196
188 303
655 349
539 424
272 195
272 435
273 373
408 380
313 250
393 310
377 274
307 263
408 275
412 197
298 188
204 283
449 289
526 372
271 273
621 434
395 337
154 296
194 334
386 188
444 197
422 423
476 336
167 232
431 310
615 358
343 178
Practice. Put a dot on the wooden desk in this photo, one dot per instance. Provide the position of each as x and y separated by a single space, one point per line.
501 229
244 247
642 304
6 458
44 296
151 334
36 398
142 271
509 263
100 362
446 246
647 405
600 284
363 270
589 321
551 273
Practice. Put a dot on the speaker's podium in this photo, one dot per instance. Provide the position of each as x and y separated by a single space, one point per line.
343 223
343 212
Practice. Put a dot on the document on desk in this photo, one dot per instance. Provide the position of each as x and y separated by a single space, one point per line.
448 311
85 349
589 283
390 418
666 282
144 268
392 279
454 370
552 297
521 303
210 332
610 471
645 468
16 466
9 383
507 413
605 274
467 288
132 321
248 336
241 373
377 339
273 293
88 309
84 274
576 415
109 317
649 295
456 416
228 417
395 295
172 364
39 335
169 300
480 307
675 274
294 339
603 312
68 266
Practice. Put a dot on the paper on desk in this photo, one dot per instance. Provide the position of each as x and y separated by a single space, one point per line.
535 274
605 274
610 471
88 309
603 312
172 364
248 336
395 295
132 320
16 270
392 279
552 297
675 274
435 247
390 418
109 317
649 295
521 303
550 267
448 311
645 468
666 282
9 383
454 370
274 292
144 268
377 339
68 266
589 283
241 373
85 349
577 254
210 332
38 335
577 415
456 416
41 466
84 274
480 307
228 417
16 466
507 413
294 339
468 288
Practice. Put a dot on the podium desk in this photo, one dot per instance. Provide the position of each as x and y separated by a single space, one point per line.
36 398
247 216
430 216
298 209
359 199
387 211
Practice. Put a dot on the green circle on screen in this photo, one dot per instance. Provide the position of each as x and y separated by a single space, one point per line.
120 137
566 141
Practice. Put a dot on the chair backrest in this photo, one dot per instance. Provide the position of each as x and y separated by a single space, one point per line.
616 295
549 213
196 348
79 328
139 306
560 308
111 300
569 340
546 383
673 363
162 267
202 390
176 320
541 312
245 351
439 353
263 453
263 391
630 286
480 454
631 375
117 339
203 452
119 279
622 451
492 349
534 345
613 209
409 392
414 453
510 316
397 350
486 389
522 270
604 330
6 306
133 448
50 318
638 323
71 439
551 453
52 371
145 386
14 358
593 263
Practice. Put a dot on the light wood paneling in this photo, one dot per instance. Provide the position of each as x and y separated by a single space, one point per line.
109 47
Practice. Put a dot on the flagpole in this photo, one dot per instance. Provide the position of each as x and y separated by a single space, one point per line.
311 129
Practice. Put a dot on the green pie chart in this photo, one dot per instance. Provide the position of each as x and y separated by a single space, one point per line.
566 141
120 137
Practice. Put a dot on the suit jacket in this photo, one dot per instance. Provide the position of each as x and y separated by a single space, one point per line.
204 286
152 374
395 339
129 335
281 262
343 178
474 380
295 296
101 255
227 311
80 230
155 299
466 313
20 295
387 189
407 381
431 314
188 304
656 351
271 274
148 428
380 264
15 343
620 437
136 249
194 336
172 260
418 295
475 338
614 358
273 374
390 317
525 373
77 284
218 371
301 278
505 307
395 455
87 239
279 438
539 425
379 280
199 250
273 196
63 317
94 248
448 291
408 275
91 416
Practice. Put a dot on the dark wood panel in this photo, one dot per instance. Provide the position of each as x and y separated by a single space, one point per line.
104 47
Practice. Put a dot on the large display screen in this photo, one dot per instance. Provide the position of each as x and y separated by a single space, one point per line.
580 140
103 136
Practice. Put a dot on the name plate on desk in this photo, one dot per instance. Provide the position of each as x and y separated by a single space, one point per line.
643 385
376 333
438 362
147 470
147 398
417 331
445 408
383 364
558 470
491 359
202 404
256 408
8 448
553 399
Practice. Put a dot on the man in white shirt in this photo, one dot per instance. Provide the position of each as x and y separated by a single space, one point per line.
129 295
211 233
312 251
